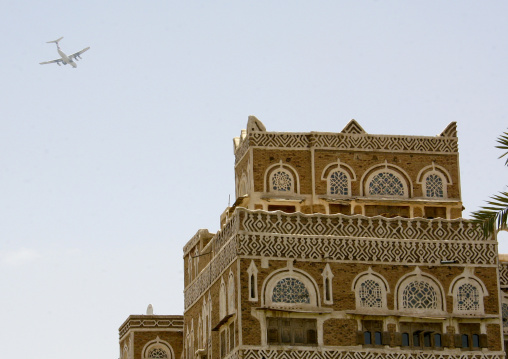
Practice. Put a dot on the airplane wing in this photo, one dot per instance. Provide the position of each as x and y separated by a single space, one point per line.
57 61
76 55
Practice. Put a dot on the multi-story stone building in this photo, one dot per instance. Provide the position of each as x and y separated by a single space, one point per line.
338 245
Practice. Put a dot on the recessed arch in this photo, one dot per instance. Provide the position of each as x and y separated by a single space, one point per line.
281 178
302 289
370 290
468 291
419 292
386 180
157 349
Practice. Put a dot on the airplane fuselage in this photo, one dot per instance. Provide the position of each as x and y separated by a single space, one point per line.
66 58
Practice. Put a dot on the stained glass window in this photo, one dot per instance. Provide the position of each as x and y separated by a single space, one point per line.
468 297
386 184
339 183
434 186
281 181
370 294
419 295
157 353
290 290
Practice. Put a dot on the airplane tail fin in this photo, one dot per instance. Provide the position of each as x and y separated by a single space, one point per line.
55 41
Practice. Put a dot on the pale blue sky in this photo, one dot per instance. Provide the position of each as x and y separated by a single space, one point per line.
108 169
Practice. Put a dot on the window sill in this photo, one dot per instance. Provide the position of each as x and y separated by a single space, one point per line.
314 310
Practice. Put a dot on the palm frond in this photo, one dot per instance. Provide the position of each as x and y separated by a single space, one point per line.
503 145
493 217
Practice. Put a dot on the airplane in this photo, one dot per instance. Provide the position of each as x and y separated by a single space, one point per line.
65 59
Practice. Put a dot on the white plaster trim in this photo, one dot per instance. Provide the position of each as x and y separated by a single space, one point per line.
340 166
253 271
327 276
231 292
437 169
222 299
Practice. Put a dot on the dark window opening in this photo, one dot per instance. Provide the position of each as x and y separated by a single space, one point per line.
435 212
292 331
367 338
340 208
387 211
421 335
470 336
287 209
465 341
252 286
327 289
372 332
405 339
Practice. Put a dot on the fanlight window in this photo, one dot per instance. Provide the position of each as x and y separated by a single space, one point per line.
339 183
386 184
290 290
419 295
370 294
281 181
468 297
157 353
434 186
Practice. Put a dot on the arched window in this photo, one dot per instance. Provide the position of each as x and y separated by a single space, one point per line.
370 294
386 183
290 290
281 181
419 295
327 285
338 183
157 353
434 186
419 292
468 291
468 297
370 289
160 349
252 271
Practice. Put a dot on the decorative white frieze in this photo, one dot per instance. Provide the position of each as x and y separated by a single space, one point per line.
366 354
348 141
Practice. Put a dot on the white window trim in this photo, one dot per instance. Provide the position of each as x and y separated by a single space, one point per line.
379 279
468 277
222 299
253 271
270 283
327 276
295 185
157 343
418 275
341 167
395 170
231 293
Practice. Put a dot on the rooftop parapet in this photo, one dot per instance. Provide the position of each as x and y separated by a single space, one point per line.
352 138
151 321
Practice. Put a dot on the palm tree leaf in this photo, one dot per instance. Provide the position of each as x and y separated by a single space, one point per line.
494 217
503 141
